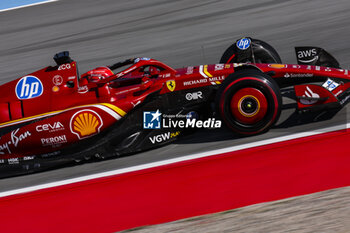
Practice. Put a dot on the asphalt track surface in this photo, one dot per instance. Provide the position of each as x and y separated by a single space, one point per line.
326 211
179 33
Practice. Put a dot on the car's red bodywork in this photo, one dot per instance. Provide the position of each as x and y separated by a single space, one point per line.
53 109
67 101
84 108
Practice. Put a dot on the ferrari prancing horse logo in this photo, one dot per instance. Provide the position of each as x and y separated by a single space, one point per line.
171 85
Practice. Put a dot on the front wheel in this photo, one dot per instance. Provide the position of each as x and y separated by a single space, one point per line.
249 102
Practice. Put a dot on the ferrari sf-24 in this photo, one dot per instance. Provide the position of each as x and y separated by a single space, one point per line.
55 114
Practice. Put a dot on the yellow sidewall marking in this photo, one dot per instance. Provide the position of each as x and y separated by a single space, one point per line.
111 106
206 71
115 108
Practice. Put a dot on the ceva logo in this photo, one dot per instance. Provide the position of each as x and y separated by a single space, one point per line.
29 87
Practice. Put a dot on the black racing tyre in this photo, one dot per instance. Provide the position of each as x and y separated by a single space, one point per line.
263 53
249 102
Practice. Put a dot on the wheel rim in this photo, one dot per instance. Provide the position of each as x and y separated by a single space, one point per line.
248 105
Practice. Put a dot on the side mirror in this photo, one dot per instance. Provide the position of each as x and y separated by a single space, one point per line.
70 84
62 58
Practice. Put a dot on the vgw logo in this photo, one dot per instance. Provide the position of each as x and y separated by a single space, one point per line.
29 87
151 120
243 43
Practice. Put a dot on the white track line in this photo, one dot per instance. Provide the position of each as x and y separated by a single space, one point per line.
175 160
28 5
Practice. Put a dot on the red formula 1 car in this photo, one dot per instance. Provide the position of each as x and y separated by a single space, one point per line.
55 114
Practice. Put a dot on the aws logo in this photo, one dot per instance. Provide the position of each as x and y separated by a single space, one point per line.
85 123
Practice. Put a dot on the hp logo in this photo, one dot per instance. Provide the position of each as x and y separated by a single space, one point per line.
29 87
243 43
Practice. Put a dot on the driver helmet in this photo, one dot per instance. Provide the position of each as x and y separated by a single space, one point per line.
97 74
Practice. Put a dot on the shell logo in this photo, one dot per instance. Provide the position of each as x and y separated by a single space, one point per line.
85 123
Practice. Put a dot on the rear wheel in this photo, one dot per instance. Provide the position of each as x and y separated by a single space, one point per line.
249 102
